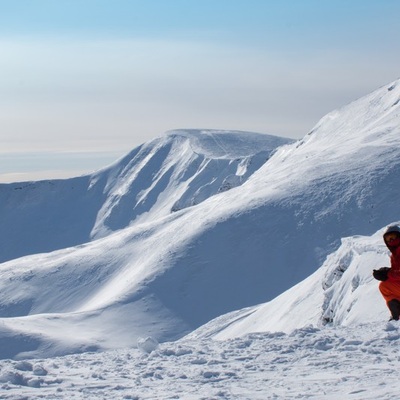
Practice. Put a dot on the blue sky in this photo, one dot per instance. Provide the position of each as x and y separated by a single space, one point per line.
82 82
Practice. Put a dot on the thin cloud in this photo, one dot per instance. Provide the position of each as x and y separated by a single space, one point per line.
112 95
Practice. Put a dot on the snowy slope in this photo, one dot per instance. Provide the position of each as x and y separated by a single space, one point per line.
177 170
170 268
342 292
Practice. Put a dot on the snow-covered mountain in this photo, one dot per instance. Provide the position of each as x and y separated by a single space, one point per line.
156 245
180 169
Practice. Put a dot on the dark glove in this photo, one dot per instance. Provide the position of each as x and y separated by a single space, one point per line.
381 274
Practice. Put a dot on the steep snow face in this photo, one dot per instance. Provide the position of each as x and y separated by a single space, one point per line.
168 274
177 170
350 152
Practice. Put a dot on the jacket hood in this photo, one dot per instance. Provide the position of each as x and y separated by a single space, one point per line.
396 244
392 228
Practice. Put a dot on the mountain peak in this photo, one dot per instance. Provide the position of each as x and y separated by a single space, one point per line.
378 110
214 143
178 170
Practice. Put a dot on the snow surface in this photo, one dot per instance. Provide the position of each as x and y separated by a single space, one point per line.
342 292
310 363
202 235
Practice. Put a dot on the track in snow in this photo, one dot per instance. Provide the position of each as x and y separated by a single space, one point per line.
331 363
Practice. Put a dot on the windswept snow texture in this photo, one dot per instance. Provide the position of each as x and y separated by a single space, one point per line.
163 247
175 171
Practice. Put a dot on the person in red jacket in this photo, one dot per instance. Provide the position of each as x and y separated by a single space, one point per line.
390 277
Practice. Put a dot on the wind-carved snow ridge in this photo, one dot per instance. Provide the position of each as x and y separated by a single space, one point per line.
348 281
341 261
182 169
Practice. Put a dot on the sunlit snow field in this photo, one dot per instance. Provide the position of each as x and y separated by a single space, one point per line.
208 265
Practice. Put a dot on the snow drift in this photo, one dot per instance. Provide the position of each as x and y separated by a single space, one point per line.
162 247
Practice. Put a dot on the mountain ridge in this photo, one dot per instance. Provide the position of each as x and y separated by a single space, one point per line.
169 275
70 212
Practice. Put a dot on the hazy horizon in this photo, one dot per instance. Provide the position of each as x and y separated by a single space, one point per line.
99 79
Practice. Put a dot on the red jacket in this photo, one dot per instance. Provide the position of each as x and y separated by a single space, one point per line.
394 271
